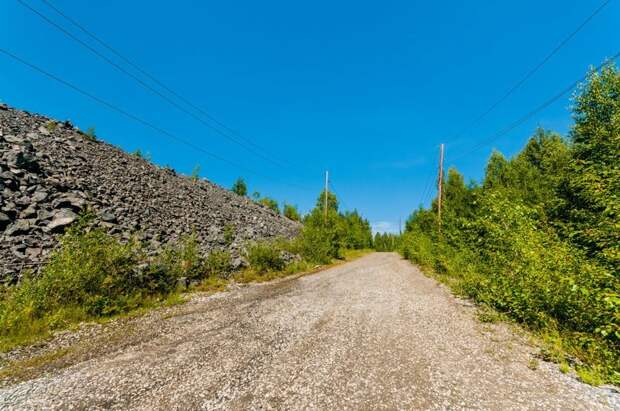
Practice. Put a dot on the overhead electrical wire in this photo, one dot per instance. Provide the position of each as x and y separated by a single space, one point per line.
533 112
140 120
529 74
150 76
144 84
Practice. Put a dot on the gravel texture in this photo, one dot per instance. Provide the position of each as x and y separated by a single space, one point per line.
50 172
371 334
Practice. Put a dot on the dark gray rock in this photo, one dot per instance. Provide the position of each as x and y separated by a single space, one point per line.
61 219
60 173
4 221
69 201
19 227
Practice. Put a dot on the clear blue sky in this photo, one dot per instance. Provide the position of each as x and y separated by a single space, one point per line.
365 89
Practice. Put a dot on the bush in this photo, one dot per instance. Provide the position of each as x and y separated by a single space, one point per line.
291 212
182 259
239 187
90 275
219 264
229 234
508 259
264 257
316 244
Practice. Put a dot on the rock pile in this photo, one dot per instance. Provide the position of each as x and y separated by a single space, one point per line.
50 172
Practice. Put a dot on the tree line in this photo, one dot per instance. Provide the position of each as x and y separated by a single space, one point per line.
539 238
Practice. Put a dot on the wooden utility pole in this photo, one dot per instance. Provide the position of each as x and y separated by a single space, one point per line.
326 195
440 186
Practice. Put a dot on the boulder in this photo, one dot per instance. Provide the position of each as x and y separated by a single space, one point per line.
61 220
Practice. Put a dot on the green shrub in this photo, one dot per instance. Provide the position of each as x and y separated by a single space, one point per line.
229 234
290 211
90 134
182 259
218 264
264 257
239 187
91 275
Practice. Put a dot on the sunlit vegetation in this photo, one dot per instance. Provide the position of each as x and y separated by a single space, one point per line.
539 239
94 276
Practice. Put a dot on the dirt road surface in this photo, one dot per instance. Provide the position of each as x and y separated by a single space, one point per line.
374 333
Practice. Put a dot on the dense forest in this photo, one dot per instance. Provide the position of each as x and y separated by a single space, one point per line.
538 240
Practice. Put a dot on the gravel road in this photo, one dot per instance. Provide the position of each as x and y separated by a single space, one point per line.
374 333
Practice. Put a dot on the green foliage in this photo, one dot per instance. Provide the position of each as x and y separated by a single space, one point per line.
264 257
218 264
239 187
355 232
270 203
291 212
229 234
51 125
539 240
195 173
139 154
332 201
90 134
325 235
386 242
91 275
591 190
181 259
317 244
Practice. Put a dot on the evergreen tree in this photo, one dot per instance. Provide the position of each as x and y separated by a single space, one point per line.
239 187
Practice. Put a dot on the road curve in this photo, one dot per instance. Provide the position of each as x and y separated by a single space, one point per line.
374 333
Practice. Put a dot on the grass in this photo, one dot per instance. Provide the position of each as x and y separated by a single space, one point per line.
555 345
93 277
23 369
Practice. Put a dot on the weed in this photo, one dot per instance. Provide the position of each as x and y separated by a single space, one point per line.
51 125
229 234
195 173
264 257
591 375
488 315
533 364
218 264
90 134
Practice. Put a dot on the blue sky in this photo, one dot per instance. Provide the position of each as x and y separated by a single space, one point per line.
366 90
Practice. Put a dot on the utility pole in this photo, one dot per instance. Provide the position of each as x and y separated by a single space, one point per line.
326 195
400 226
440 186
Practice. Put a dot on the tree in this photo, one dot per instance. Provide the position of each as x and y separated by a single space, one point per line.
239 187
332 201
291 212
195 173
270 203
497 174
591 190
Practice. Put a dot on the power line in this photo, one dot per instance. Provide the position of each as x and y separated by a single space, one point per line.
148 75
336 192
144 84
530 73
138 119
532 113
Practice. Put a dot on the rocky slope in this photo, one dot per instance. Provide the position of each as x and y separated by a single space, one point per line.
50 172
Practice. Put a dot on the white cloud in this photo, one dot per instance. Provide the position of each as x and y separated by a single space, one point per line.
384 227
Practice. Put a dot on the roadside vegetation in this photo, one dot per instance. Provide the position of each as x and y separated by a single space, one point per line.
93 276
539 239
